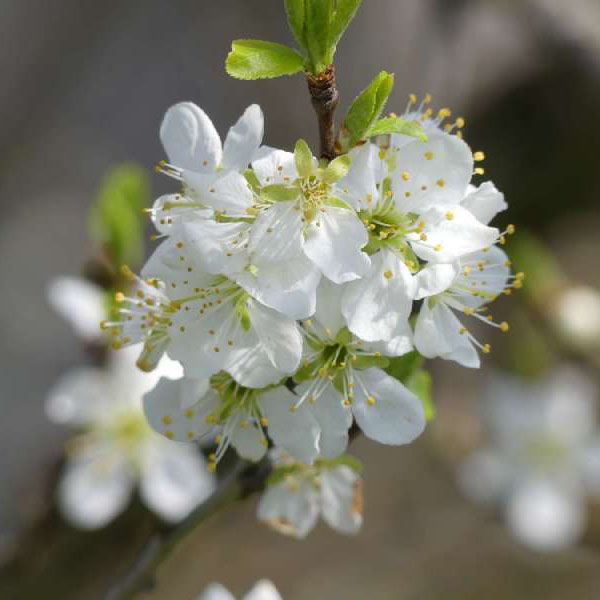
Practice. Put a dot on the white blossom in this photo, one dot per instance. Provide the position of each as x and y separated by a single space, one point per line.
298 494
262 590
116 449
543 459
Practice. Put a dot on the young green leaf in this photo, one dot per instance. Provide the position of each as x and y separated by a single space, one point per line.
116 218
296 13
345 10
368 106
317 26
257 59
399 126
304 159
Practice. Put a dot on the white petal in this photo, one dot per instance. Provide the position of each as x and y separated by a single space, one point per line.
434 279
448 239
401 342
396 417
437 333
297 431
215 591
288 287
178 409
441 181
366 171
190 139
546 516
263 590
179 207
251 367
279 336
174 480
94 488
329 307
79 302
485 202
377 303
79 397
243 139
290 510
342 499
334 420
249 442
334 242
276 234
230 195
273 166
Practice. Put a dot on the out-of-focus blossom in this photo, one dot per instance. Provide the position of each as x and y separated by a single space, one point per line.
577 315
298 494
81 303
544 457
117 450
262 590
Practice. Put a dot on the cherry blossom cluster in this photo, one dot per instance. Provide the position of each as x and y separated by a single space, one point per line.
285 284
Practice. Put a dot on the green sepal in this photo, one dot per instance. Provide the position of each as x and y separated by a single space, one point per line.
344 337
344 460
116 219
397 125
258 59
337 168
280 193
368 362
338 382
420 384
304 159
368 106
252 180
307 371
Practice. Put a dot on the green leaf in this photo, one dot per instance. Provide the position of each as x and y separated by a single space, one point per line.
305 163
318 21
116 219
337 168
280 193
257 59
420 384
401 367
399 126
368 106
296 12
345 10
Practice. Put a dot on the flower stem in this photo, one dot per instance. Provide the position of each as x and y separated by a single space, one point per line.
325 97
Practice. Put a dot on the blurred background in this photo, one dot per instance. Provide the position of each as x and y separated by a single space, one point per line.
85 86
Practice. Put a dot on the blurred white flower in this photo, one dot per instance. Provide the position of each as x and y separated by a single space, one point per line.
117 449
544 459
577 313
262 590
81 303
298 494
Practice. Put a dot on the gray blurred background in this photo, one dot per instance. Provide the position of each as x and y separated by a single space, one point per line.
85 85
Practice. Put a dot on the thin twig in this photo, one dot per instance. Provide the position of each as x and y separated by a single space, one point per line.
325 97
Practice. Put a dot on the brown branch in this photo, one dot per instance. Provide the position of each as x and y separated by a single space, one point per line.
325 97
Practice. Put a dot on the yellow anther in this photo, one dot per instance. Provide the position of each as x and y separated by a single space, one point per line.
244 423
127 272
504 326
486 349
444 113
167 420
520 276
388 274
460 122
449 215
437 248
169 434
429 155
479 171
371 400
264 422
369 198
468 310
423 237
116 344
413 99
292 408
119 297
212 467
462 330
103 324
510 229
323 372
479 156
440 183
179 245
189 413
406 176
518 284
427 99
